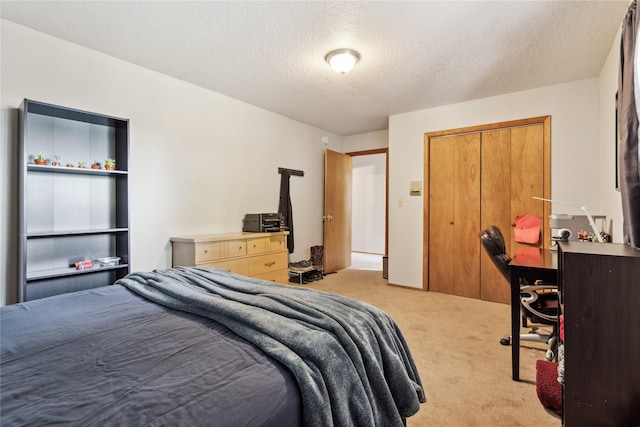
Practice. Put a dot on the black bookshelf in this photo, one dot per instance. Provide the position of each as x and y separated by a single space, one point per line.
69 214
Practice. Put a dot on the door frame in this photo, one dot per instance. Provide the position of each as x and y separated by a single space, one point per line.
384 151
543 120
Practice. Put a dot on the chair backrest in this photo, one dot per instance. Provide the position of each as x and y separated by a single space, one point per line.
493 242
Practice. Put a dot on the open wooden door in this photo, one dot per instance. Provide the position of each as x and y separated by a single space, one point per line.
337 211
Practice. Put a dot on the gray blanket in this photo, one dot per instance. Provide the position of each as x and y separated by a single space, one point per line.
350 359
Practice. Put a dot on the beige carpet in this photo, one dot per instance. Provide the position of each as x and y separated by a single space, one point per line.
454 341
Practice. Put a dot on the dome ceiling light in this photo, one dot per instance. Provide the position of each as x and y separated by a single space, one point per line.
342 60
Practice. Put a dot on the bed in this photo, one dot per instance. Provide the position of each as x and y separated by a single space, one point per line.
194 346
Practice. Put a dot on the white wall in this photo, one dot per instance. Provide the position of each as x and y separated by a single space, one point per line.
198 160
366 141
368 211
576 168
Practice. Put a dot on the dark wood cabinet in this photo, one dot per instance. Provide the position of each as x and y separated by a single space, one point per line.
600 294
69 213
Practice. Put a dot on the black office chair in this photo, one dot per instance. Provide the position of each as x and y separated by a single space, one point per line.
539 301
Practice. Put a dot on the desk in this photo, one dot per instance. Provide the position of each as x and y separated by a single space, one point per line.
545 268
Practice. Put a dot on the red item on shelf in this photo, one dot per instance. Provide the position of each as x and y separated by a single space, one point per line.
562 327
83 265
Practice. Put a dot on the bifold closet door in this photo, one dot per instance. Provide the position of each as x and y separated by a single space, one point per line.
454 214
475 177
512 173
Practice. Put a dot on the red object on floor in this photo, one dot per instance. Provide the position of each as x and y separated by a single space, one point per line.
548 388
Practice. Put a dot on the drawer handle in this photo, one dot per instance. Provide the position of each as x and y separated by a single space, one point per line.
269 264
206 251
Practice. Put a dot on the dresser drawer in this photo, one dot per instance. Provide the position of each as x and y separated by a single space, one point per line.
279 276
238 266
277 242
258 246
209 251
236 248
267 263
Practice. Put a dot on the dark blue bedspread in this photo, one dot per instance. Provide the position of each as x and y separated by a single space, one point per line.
108 357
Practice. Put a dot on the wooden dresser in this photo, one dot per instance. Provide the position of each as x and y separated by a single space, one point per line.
260 255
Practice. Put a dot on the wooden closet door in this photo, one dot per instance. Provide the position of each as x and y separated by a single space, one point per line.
527 175
441 215
495 208
512 173
466 259
454 192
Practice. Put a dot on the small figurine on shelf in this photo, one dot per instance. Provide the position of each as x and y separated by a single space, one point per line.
110 164
41 160
56 162
69 165
96 165
584 236
81 165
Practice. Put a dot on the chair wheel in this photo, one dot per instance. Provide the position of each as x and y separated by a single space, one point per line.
505 341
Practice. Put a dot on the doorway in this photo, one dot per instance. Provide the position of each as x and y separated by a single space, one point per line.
369 208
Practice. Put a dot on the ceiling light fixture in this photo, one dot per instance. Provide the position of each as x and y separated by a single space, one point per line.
342 60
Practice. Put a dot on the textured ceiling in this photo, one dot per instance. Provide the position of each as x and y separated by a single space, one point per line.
415 55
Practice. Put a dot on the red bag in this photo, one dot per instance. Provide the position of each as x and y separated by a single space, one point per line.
527 229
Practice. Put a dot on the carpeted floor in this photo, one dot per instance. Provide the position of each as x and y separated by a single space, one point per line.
455 343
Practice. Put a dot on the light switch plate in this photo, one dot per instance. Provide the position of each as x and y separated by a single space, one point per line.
415 188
